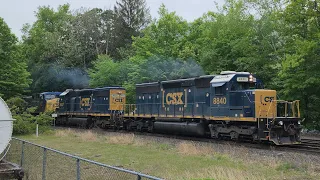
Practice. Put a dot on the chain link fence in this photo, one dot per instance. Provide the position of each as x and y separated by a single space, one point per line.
39 162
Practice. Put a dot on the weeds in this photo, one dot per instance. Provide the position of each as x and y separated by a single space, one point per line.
286 166
121 139
64 133
87 136
192 148
222 173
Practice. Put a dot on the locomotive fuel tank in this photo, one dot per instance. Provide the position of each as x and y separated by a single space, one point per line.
185 128
77 121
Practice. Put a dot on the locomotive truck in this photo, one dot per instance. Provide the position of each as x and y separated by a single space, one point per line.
228 105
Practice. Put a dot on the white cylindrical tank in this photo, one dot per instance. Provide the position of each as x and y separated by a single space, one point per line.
6 125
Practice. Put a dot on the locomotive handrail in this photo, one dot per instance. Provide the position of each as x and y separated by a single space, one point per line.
248 98
294 104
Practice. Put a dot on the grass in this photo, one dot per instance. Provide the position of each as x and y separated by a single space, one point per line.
180 160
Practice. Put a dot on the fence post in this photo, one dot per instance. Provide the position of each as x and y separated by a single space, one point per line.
22 154
44 163
138 177
78 169
37 130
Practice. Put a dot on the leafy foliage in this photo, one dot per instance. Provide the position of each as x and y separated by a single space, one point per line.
165 37
25 122
12 64
301 62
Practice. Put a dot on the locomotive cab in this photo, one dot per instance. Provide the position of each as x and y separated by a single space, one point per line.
49 101
230 93
240 100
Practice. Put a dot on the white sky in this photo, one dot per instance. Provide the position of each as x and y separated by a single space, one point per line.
18 12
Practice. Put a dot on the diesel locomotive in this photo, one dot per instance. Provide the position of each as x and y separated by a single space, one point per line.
229 105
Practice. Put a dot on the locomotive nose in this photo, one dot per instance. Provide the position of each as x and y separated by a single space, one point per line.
265 103
280 129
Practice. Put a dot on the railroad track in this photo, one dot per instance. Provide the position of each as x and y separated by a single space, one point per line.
311 142
308 145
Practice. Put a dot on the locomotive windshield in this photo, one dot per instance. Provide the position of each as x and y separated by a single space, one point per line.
236 86
49 96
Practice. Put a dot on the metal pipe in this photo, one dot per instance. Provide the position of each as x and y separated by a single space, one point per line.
78 169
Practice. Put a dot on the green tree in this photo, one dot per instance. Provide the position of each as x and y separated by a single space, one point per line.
107 72
163 37
225 38
299 75
14 75
44 45
89 34
130 17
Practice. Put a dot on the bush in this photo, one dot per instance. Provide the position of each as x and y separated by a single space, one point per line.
22 126
17 105
25 122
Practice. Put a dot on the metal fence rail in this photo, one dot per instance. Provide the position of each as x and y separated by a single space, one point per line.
40 162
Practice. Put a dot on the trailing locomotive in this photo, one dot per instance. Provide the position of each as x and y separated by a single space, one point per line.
49 101
87 107
232 104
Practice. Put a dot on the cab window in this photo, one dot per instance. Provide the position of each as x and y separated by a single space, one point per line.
49 96
219 90
245 86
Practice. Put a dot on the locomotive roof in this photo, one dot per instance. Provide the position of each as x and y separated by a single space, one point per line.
178 80
46 93
107 88
206 76
189 81
148 84
80 90
99 88
91 89
222 78
227 76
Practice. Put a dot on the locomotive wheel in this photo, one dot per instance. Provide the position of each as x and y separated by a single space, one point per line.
128 126
139 127
150 128
89 125
115 127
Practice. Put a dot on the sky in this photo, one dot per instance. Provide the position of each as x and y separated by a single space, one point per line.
18 12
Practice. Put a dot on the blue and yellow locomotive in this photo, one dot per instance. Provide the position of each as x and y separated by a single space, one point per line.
87 107
231 104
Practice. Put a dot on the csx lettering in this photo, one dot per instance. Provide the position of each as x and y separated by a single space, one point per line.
268 99
222 100
174 98
85 101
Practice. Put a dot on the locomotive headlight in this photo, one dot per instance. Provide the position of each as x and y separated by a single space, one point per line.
299 122
250 78
280 123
